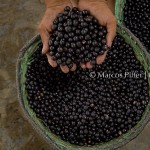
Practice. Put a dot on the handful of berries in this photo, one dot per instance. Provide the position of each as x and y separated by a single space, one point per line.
76 38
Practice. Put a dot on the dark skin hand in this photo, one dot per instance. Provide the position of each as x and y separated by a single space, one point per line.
106 18
98 8
45 29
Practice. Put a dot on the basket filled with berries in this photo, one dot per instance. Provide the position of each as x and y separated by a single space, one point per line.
101 108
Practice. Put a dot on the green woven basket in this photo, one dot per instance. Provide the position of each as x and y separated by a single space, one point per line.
119 10
25 59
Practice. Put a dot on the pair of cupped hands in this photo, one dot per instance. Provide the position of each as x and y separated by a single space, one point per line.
98 8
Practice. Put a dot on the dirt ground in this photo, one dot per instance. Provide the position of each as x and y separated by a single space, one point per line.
18 23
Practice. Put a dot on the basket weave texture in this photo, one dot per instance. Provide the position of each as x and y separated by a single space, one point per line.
119 10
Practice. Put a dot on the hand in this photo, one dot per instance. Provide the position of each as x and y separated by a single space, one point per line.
45 30
104 15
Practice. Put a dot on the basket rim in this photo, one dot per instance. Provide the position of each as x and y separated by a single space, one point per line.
119 6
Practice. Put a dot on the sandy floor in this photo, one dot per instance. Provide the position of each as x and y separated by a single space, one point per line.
18 23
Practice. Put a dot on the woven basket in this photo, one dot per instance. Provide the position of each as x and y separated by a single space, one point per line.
119 10
25 58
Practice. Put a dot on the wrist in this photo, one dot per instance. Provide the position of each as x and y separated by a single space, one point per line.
111 5
55 3
105 1
91 3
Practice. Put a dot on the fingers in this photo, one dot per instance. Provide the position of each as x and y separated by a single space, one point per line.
64 69
89 65
74 67
51 61
86 65
100 59
83 66
45 38
111 31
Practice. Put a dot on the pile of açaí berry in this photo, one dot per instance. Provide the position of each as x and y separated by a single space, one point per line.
76 38
137 19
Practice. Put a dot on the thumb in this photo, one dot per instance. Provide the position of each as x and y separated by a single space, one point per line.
45 38
111 31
